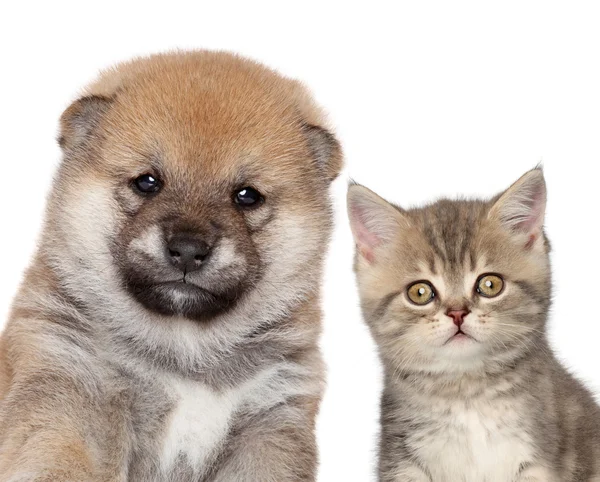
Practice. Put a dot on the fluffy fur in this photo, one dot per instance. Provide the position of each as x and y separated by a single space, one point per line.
115 365
488 402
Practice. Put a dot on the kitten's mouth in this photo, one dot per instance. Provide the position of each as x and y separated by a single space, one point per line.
459 336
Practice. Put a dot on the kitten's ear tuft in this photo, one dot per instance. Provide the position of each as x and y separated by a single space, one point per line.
80 119
521 208
373 220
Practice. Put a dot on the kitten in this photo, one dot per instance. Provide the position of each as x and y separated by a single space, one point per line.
456 295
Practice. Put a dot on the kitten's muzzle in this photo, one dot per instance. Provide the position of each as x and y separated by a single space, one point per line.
458 315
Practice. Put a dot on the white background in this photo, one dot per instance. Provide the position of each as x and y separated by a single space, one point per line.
428 99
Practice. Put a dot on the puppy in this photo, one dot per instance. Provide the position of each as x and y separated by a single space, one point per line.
166 329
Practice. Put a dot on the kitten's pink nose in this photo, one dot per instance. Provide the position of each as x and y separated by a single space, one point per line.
458 316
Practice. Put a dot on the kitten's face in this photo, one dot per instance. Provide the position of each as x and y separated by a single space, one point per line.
457 285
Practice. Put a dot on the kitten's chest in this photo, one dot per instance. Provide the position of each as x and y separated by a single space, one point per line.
479 441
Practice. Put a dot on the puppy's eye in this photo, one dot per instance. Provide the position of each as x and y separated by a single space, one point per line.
420 293
147 184
489 285
247 197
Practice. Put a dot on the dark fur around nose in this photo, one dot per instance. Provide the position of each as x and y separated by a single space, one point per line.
187 252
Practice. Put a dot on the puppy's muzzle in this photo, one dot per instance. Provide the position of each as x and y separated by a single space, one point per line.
187 252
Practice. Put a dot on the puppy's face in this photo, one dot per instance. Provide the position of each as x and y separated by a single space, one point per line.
201 191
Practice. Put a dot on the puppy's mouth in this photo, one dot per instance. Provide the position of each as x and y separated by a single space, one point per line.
182 298
185 285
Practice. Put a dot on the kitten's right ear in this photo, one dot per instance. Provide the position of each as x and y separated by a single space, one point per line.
373 220
520 209
78 122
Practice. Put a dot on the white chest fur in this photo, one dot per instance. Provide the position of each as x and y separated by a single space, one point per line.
479 441
198 423
201 418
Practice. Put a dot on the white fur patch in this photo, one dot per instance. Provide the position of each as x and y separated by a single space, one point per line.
150 243
89 220
225 255
198 424
477 441
538 474
202 416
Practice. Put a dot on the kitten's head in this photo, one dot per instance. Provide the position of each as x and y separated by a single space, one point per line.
457 285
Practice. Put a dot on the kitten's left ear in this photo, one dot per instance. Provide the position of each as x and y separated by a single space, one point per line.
374 221
521 208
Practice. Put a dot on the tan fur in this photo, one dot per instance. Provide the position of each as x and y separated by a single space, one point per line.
86 371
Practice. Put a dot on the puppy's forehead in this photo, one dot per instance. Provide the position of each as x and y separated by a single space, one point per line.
207 112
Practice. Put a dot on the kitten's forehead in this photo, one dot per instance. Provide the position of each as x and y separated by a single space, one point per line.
451 230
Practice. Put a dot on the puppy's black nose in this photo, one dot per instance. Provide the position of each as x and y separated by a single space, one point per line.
187 252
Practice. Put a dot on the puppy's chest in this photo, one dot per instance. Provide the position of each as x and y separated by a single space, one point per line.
198 425
483 440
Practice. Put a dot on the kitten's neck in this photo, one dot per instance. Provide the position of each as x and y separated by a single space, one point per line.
492 377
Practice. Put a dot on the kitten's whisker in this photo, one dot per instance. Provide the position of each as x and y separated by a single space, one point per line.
513 325
514 337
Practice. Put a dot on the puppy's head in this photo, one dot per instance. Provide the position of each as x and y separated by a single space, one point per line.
190 180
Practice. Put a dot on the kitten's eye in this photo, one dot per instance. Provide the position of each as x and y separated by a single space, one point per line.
420 293
248 197
489 285
147 184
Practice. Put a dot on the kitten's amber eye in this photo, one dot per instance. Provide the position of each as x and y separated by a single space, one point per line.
420 293
489 285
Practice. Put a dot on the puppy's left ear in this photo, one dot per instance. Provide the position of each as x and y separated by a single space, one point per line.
80 120
325 150
521 208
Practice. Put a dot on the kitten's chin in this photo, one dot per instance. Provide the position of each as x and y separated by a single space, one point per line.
452 365
461 347
459 356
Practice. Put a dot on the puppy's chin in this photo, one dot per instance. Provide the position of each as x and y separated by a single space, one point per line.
176 298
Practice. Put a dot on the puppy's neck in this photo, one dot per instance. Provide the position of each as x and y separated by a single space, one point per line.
221 353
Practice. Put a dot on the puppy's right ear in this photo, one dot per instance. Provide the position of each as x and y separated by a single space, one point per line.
374 221
81 118
326 150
